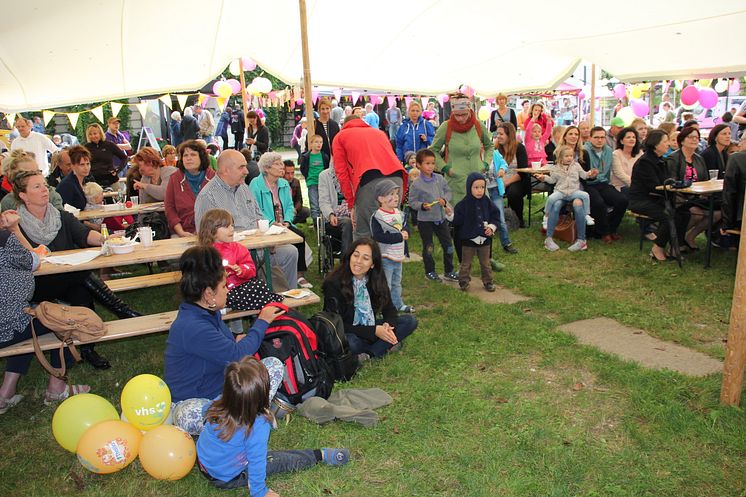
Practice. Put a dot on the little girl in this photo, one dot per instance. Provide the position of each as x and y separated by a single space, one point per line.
566 179
535 144
245 291
94 196
475 220
232 448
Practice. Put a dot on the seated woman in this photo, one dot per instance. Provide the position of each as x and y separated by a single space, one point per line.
199 344
16 162
272 193
16 265
686 164
651 171
193 173
628 150
71 187
734 186
154 175
357 291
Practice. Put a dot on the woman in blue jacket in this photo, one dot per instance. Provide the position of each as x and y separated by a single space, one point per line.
415 133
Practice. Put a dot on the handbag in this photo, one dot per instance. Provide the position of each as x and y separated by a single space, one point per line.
70 324
565 229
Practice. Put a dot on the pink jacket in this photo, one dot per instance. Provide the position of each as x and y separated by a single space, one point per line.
535 150
546 124
234 253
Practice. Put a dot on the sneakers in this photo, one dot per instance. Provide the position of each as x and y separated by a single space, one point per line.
578 246
432 276
589 221
509 248
550 245
396 347
363 357
407 308
7 404
490 287
303 283
335 457
452 276
497 266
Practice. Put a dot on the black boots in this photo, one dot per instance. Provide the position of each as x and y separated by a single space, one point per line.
92 357
102 294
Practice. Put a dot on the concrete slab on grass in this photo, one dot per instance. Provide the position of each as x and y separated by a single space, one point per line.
636 345
500 296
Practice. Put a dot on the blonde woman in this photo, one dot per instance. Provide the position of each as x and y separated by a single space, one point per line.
19 161
102 156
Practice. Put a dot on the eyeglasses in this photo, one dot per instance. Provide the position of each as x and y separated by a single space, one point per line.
692 137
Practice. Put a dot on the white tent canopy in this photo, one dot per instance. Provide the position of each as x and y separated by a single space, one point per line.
54 54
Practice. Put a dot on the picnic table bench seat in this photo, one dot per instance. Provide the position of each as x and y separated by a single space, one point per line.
146 281
132 327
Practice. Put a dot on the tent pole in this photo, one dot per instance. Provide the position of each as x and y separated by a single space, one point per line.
593 96
307 93
735 350
244 97
651 94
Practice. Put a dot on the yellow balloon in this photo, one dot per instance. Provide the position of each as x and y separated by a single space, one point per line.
78 413
167 453
146 401
483 114
705 83
636 91
109 446
225 90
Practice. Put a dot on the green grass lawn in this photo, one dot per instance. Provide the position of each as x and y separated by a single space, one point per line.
489 400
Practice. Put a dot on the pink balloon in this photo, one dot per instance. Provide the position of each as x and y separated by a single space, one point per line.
620 91
581 95
640 107
708 98
272 94
689 95
216 86
235 85
446 98
735 86
248 64
299 101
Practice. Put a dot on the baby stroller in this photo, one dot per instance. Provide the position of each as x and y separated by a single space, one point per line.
328 246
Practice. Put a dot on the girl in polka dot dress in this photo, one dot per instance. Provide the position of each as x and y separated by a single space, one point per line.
245 291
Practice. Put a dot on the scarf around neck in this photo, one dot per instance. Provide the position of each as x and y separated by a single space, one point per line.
41 232
364 314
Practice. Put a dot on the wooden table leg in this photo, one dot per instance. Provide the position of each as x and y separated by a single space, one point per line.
708 250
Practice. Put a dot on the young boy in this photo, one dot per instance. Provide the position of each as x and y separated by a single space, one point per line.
386 224
311 164
475 220
429 196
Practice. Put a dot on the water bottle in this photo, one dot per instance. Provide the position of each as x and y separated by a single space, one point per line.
105 250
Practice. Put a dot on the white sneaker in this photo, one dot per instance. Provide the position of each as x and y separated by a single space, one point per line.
578 246
550 245
544 223
589 221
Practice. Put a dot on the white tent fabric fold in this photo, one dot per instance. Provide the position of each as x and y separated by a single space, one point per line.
53 54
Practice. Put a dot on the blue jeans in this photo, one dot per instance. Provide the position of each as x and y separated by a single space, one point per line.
580 213
393 129
497 199
392 270
578 194
405 326
313 200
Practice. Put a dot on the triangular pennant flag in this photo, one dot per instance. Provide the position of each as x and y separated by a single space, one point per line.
355 96
221 102
408 100
424 101
166 99
391 100
143 108
314 96
48 115
73 117
182 100
202 99
115 108
442 99
98 112
337 94
11 117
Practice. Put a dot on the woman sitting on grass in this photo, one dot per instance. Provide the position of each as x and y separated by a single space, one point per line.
357 291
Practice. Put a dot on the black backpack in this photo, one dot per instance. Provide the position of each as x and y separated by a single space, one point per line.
291 339
333 346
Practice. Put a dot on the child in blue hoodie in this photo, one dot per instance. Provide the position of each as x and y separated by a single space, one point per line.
475 220
496 190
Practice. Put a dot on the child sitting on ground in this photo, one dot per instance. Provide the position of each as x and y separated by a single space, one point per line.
387 226
565 176
311 164
535 144
232 448
245 291
429 195
475 220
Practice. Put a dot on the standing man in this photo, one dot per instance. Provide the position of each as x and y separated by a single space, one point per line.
338 113
371 117
603 195
238 126
34 142
38 126
362 159
206 123
114 136
394 118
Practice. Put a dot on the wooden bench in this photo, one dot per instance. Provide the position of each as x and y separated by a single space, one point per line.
644 222
146 281
132 327
733 232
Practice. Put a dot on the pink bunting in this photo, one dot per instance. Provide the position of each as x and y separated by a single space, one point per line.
408 100
391 100
373 99
355 96
338 94
424 101
442 99
735 87
314 96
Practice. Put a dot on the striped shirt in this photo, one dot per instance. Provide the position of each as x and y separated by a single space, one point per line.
238 200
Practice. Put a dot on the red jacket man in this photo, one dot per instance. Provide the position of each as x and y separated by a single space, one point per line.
363 156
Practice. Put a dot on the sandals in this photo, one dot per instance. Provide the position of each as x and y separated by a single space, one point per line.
51 399
7 404
303 283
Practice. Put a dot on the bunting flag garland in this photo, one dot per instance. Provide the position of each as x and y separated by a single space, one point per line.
355 96
11 118
73 117
143 107
182 99
115 108
202 99
338 94
408 100
391 100
48 115
424 101
99 113
221 102
166 99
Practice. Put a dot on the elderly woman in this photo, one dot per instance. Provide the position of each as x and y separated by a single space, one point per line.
628 150
189 126
16 265
357 291
467 145
174 128
650 172
502 114
184 185
686 164
61 167
102 156
199 344
71 188
272 193
154 175
19 161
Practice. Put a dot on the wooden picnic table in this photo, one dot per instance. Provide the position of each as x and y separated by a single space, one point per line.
163 250
124 211
705 189
531 170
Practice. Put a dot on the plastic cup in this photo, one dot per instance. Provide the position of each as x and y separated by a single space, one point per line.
146 236
262 225
713 174
135 199
536 165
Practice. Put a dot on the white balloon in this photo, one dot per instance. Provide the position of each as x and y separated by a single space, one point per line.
234 68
